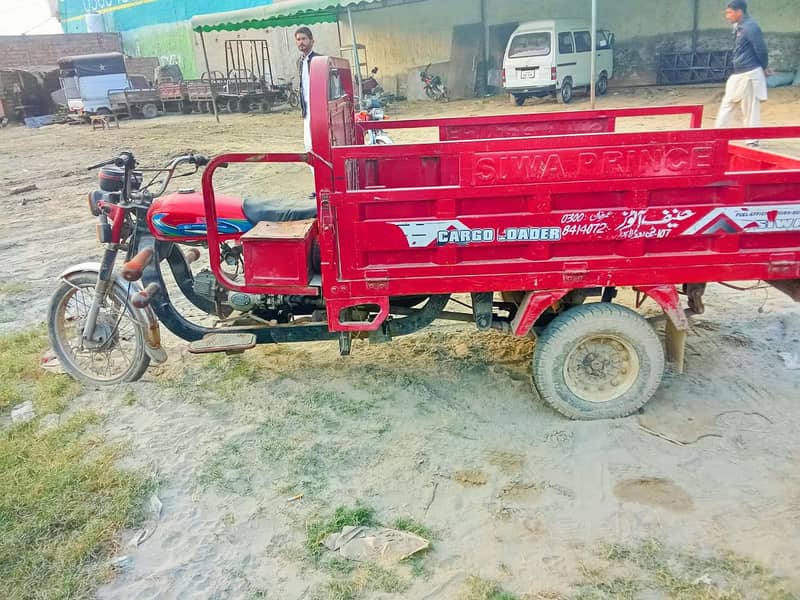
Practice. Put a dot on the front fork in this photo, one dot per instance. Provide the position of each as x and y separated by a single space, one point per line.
105 282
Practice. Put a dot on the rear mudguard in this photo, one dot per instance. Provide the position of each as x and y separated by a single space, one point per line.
145 317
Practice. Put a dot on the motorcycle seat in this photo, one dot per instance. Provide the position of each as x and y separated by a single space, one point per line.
278 210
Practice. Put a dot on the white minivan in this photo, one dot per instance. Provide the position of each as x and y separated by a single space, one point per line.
553 58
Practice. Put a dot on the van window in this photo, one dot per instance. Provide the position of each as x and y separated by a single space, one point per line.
530 44
565 43
601 40
583 41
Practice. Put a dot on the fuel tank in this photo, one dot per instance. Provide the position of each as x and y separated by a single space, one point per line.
180 217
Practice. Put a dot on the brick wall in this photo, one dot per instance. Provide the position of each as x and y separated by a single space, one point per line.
45 50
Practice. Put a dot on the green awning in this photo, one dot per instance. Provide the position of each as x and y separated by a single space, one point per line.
281 14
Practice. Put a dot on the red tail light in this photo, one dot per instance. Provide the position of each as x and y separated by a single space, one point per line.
504 75
553 73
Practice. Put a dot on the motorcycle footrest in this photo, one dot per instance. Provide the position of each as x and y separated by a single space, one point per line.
223 342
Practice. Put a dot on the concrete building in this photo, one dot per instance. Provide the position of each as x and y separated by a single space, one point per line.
462 38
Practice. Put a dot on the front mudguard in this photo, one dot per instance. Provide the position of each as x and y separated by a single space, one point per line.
145 317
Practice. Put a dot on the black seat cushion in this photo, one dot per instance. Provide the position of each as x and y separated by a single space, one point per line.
278 209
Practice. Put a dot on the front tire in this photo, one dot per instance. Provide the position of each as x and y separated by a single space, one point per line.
598 361
120 357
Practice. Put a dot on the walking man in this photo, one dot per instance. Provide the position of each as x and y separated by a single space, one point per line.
305 44
747 86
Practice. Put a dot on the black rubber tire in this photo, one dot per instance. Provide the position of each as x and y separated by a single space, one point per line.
430 93
149 111
602 85
87 281
294 99
563 336
564 95
519 99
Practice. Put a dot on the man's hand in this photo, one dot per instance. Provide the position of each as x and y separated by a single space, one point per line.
768 72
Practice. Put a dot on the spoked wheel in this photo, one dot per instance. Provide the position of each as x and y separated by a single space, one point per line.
294 99
598 361
118 352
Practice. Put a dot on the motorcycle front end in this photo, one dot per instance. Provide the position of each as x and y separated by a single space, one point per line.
100 324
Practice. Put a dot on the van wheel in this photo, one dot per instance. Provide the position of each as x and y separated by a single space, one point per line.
518 99
564 95
602 85
598 361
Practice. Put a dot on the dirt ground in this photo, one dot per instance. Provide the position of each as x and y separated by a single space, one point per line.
443 427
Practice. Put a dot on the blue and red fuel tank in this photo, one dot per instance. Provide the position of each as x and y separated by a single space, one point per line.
180 217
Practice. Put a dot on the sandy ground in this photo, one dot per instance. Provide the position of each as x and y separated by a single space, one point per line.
443 426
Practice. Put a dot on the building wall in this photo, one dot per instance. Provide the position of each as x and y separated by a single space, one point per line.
403 39
45 50
159 28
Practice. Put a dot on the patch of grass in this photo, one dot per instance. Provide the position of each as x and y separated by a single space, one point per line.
12 288
477 588
415 527
677 574
224 375
22 378
419 566
62 500
319 529
230 469
129 399
352 404
367 577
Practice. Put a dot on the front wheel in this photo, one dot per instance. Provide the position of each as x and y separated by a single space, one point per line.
598 361
430 92
118 352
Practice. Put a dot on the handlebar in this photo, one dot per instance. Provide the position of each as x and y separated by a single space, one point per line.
127 161
124 160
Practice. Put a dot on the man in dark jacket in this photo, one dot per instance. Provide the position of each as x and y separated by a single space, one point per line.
305 44
747 86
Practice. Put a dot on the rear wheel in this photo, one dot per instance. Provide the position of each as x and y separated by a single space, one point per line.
598 361
518 99
294 99
232 105
149 111
564 95
602 85
118 352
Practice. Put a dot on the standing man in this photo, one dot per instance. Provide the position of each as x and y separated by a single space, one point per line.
305 44
747 85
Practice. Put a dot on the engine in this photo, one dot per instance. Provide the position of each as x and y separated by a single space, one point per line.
271 308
